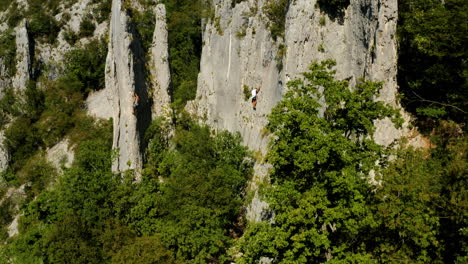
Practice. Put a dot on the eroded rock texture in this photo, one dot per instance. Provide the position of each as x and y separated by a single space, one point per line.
125 77
159 65
239 53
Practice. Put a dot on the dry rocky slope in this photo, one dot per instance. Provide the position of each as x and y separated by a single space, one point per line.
238 53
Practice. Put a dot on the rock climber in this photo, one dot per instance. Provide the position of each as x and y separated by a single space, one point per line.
254 97
136 101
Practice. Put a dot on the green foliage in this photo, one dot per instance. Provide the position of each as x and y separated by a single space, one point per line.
38 172
14 15
247 92
432 69
43 26
87 64
21 141
144 250
8 52
144 23
61 225
309 140
103 10
275 11
9 106
185 44
321 155
87 27
4 4
201 194
323 207
94 216
70 36
334 8
404 210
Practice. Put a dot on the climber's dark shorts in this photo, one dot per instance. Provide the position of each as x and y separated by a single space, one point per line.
254 99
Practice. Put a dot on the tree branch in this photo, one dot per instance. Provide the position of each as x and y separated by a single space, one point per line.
435 102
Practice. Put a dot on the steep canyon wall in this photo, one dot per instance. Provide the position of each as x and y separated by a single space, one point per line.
238 51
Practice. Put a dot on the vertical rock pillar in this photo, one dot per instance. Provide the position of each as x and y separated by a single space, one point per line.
124 77
23 58
159 62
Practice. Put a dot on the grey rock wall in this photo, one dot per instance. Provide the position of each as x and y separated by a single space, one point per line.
124 77
4 157
159 65
231 62
23 58
238 51
363 43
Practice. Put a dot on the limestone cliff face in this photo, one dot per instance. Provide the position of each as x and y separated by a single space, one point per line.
3 154
363 43
126 75
19 80
122 82
23 57
159 65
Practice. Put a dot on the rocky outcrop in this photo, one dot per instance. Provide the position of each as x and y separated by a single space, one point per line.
4 158
124 77
23 58
99 104
239 54
159 65
61 155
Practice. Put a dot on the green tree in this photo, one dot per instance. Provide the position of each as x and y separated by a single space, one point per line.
185 44
200 196
321 154
432 69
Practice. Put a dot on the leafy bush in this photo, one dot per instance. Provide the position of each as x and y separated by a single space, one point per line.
103 10
21 141
14 15
334 8
63 99
9 106
70 36
87 27
38 173
185 44
275 11
43 26
319 168
4 4
144 24
432 69
247 92
87 63
8 52
204 179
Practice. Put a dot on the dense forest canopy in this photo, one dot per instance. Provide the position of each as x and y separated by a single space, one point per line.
334 194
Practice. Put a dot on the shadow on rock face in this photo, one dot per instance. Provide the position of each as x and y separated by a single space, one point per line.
335 9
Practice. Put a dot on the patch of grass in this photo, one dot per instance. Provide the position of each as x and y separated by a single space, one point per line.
323 21
217 24
320 48
246 91
241 33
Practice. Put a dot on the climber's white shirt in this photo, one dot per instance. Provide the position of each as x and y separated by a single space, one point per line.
254 93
